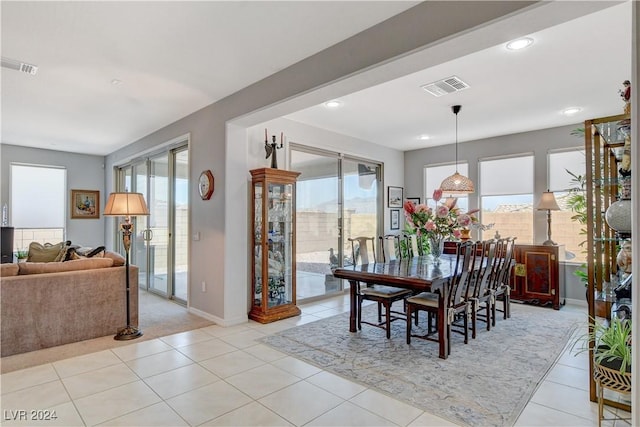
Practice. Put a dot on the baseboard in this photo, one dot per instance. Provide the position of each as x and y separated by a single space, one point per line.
218 320
576 302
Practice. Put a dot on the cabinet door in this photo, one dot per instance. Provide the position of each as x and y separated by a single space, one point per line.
536 275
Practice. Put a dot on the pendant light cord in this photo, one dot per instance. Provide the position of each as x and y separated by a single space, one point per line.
456 142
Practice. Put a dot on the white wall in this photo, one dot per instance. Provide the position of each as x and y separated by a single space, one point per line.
84 172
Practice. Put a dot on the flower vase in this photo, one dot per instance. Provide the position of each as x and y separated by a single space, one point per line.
436 246
465 234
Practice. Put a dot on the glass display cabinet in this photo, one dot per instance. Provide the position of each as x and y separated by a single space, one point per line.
273 283
608 195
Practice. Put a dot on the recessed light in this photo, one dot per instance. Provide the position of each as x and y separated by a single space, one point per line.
520 43
116 82
571 111
333 103
424 137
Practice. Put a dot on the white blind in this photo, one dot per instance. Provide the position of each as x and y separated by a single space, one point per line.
434 175
38 196
513 175
559 163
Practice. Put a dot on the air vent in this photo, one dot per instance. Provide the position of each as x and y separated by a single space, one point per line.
445 86
19 66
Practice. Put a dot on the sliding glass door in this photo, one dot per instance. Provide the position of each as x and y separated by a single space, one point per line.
160 245
336 198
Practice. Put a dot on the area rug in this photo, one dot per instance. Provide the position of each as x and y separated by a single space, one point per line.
486 382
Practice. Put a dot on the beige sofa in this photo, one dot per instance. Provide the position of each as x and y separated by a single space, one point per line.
82 299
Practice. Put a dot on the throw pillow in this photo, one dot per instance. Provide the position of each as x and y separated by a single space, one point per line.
118 259
44 253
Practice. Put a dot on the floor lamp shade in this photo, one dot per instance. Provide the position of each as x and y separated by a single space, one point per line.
548 203
126 205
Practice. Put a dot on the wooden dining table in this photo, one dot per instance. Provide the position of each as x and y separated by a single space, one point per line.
418 274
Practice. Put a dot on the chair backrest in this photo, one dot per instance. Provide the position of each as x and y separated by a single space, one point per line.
491 267
413 247
481 265
363 248
391 250
509 261
463 268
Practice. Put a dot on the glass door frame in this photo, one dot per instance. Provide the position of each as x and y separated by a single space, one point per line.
340 157
127 169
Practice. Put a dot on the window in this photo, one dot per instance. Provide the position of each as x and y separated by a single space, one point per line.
433 177
566 170
33 188
506 197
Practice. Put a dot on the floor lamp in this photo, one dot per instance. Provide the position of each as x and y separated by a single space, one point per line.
548 203
126 205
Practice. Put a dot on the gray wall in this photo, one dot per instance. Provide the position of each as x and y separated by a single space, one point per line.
219 258
538 142
84 172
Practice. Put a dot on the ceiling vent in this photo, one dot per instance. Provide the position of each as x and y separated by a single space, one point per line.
19 66
445 86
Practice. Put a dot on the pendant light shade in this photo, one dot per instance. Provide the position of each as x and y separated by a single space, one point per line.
457 183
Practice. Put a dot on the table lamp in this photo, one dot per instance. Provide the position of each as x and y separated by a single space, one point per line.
126 205
548 203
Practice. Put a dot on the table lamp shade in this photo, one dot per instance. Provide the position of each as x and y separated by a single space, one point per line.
548 202
126 204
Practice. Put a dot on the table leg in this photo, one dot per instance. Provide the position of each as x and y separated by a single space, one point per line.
443 338
353 301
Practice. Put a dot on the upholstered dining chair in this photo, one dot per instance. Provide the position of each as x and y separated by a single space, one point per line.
501 288
363 248
453 305
391 250
413 246
480 296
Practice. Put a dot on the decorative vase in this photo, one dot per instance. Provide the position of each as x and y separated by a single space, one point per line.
436 246
465 234
618 216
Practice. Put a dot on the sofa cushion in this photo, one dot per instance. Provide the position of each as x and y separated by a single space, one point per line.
56 267
9 269
47 252
118 259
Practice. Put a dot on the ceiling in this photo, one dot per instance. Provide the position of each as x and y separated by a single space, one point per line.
173 58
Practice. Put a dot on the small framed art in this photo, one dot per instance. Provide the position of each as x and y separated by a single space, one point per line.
394 197
414 200
85 204
395 219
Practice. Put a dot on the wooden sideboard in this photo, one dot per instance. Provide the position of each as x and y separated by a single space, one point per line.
538 276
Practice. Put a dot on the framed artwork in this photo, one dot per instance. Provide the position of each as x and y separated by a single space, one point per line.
415 200
85 204
394 197
395 219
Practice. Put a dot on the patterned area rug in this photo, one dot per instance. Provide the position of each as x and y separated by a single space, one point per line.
486 382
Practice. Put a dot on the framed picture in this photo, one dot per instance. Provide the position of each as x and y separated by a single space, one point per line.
394 197
395 219
85 204
415 200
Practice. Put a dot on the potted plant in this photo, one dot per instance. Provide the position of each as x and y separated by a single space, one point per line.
22 255
612 345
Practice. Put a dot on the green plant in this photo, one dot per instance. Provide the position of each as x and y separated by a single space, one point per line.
22 253
577 202
612 343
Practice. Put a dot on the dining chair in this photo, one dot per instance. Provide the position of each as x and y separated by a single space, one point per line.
414 248
501 289
452 305
480 297
391 249
363 248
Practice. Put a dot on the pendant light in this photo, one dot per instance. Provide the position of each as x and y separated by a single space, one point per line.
456 183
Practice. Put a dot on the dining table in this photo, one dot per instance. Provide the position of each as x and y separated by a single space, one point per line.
418 274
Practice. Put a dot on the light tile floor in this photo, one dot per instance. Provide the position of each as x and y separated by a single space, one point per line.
218 376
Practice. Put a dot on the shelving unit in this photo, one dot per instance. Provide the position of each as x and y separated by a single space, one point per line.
604 145
273 284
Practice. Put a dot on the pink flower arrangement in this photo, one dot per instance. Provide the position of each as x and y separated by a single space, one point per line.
439 223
